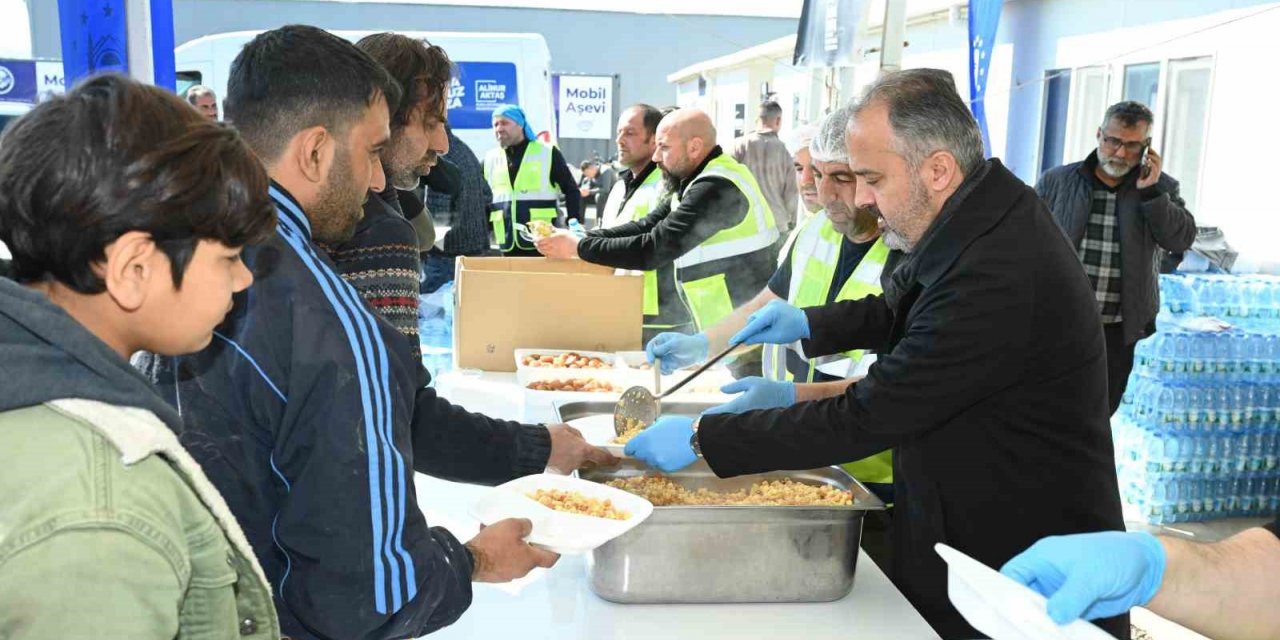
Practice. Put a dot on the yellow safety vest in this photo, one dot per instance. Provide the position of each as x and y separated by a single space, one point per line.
708 298
661 313
814 259
532 197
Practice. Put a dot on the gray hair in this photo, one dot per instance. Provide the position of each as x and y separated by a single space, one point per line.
1128 114
197 90
828 141
927 116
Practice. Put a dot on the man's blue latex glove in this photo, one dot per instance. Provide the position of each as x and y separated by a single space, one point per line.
677 350
757 393
1091 575
776 323
665 445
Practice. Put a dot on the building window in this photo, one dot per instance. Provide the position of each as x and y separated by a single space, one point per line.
1186 123
1088 103
1057 96
1142 83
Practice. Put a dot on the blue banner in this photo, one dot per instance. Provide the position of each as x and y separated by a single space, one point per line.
984 20
18 81
95 39
477 89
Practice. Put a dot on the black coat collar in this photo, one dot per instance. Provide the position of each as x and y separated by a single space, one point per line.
981 202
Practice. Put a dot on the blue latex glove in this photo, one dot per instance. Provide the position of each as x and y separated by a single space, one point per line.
677 350
757 393
776 323
665 445
1091 575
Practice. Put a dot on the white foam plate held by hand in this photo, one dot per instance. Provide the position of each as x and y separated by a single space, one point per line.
598 431
1003 609
559 531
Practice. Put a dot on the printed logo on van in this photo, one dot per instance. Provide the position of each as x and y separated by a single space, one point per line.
479 88
6 80
490 94
456 93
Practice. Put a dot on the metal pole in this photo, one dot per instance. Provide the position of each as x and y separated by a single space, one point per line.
139 40
895 34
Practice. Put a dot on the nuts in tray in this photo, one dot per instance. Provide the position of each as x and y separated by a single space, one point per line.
569 360
633 429
588 385
574 502
663 492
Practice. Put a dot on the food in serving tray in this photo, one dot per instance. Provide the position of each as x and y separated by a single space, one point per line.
569 360
574 502
589 385
663 492
632 429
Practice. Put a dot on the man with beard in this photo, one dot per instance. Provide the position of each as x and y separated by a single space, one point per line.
525 175
990 381
308 412
837 255
1119 209
382 258
716 228
639 191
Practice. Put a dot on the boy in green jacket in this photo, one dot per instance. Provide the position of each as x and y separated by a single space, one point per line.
125 212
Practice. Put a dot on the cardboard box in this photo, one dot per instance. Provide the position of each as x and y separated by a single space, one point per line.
504 304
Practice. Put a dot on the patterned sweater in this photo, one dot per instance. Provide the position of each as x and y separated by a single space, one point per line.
382 262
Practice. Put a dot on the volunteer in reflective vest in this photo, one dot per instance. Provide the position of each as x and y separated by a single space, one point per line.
834 255
639 191
527 177
716 229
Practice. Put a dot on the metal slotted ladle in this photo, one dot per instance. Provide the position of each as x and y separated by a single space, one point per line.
639 406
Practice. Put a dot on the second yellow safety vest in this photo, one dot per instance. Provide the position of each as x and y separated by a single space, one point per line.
815 256
708 297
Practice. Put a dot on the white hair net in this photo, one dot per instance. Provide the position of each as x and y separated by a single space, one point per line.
828 142
800 138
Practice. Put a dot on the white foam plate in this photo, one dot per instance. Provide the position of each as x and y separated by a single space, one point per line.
598 431
559 531
1002 608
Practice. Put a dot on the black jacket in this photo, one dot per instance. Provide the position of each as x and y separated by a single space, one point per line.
1149 219
991 387
707 207
310 416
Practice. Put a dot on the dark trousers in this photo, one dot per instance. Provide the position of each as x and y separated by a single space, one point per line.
1119 362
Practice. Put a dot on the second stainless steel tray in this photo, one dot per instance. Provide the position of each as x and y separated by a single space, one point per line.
574 409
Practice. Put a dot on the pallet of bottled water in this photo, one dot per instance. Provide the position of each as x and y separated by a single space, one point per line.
1198 433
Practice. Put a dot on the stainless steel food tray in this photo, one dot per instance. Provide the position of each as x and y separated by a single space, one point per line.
572 410
732 553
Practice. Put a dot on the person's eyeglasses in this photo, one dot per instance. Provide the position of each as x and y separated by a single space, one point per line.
1111 143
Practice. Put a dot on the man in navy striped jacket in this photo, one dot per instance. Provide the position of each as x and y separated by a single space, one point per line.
308 412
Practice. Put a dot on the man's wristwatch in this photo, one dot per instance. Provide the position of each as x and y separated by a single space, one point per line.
693 439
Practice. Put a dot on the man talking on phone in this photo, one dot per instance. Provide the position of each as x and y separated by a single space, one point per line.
1118 208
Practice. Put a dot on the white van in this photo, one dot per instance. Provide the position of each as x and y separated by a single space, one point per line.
493 68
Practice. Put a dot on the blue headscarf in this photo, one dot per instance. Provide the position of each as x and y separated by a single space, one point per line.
516 115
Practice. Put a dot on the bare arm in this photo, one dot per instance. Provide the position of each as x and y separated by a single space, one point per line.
719 334
1223 590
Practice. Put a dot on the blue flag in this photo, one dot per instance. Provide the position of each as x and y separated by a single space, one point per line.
984 19
95 39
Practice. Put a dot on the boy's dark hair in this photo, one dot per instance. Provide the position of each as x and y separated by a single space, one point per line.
423 71
297 77
1129 114
114 156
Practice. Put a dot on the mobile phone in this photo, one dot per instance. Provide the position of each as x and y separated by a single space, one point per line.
1146 166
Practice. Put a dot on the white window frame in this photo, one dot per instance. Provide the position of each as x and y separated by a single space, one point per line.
1082 119
1163 116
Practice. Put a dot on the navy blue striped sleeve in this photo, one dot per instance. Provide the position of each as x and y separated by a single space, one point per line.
361 561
